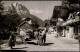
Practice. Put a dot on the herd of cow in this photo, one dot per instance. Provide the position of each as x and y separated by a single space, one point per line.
39 34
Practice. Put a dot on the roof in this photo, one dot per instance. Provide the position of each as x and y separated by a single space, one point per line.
24 25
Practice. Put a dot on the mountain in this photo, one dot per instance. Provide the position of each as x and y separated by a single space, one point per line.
19 9
39 21
24 12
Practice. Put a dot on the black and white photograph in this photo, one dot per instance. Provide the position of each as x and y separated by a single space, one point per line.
39 25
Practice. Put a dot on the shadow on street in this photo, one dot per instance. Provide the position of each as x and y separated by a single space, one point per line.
46 44
13 51
32 43
27 39
20 48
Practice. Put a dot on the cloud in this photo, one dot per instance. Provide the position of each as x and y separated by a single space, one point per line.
32 11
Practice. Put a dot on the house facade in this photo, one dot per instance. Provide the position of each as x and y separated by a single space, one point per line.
71 26
54 18
67 19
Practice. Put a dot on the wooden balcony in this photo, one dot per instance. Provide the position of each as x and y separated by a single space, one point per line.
71 21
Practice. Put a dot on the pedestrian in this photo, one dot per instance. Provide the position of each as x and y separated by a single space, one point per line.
56 34
44 36
12 39
39 37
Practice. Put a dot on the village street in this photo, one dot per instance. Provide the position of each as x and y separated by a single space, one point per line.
52 44
33 21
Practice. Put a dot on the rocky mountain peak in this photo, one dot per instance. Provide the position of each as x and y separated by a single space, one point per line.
20 9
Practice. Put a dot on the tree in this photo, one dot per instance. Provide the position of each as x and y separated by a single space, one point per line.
1 10
8 22
12 21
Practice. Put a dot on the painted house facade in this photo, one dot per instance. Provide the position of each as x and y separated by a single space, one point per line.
71 27
68 19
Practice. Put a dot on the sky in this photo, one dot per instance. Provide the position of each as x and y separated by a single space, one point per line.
41 9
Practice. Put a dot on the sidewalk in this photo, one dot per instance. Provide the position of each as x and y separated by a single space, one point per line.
68 40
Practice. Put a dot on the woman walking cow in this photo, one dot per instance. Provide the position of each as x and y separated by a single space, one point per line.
12 39
42 36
